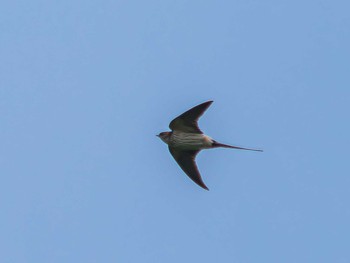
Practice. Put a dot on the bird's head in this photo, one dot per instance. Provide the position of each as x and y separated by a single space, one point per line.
165 136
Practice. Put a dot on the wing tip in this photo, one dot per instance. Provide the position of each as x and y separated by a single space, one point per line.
203 185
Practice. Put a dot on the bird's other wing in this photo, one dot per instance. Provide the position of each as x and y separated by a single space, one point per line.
186 160
187 122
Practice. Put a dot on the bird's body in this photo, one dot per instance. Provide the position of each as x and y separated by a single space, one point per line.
186 140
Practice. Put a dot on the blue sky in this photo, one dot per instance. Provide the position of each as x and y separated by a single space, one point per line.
86 85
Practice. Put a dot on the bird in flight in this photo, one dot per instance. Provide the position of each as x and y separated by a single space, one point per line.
186 140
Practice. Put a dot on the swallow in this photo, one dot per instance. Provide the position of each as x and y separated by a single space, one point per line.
186 140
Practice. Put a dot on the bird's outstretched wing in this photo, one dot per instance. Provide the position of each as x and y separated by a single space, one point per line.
187 122
186 160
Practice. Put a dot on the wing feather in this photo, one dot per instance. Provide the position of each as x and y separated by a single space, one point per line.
187 122
186 160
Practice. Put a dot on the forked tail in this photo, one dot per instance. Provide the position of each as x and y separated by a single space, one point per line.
217 144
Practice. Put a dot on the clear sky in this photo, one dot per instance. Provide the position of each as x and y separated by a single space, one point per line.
86 85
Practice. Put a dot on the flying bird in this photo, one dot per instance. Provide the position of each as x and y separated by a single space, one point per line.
186 140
